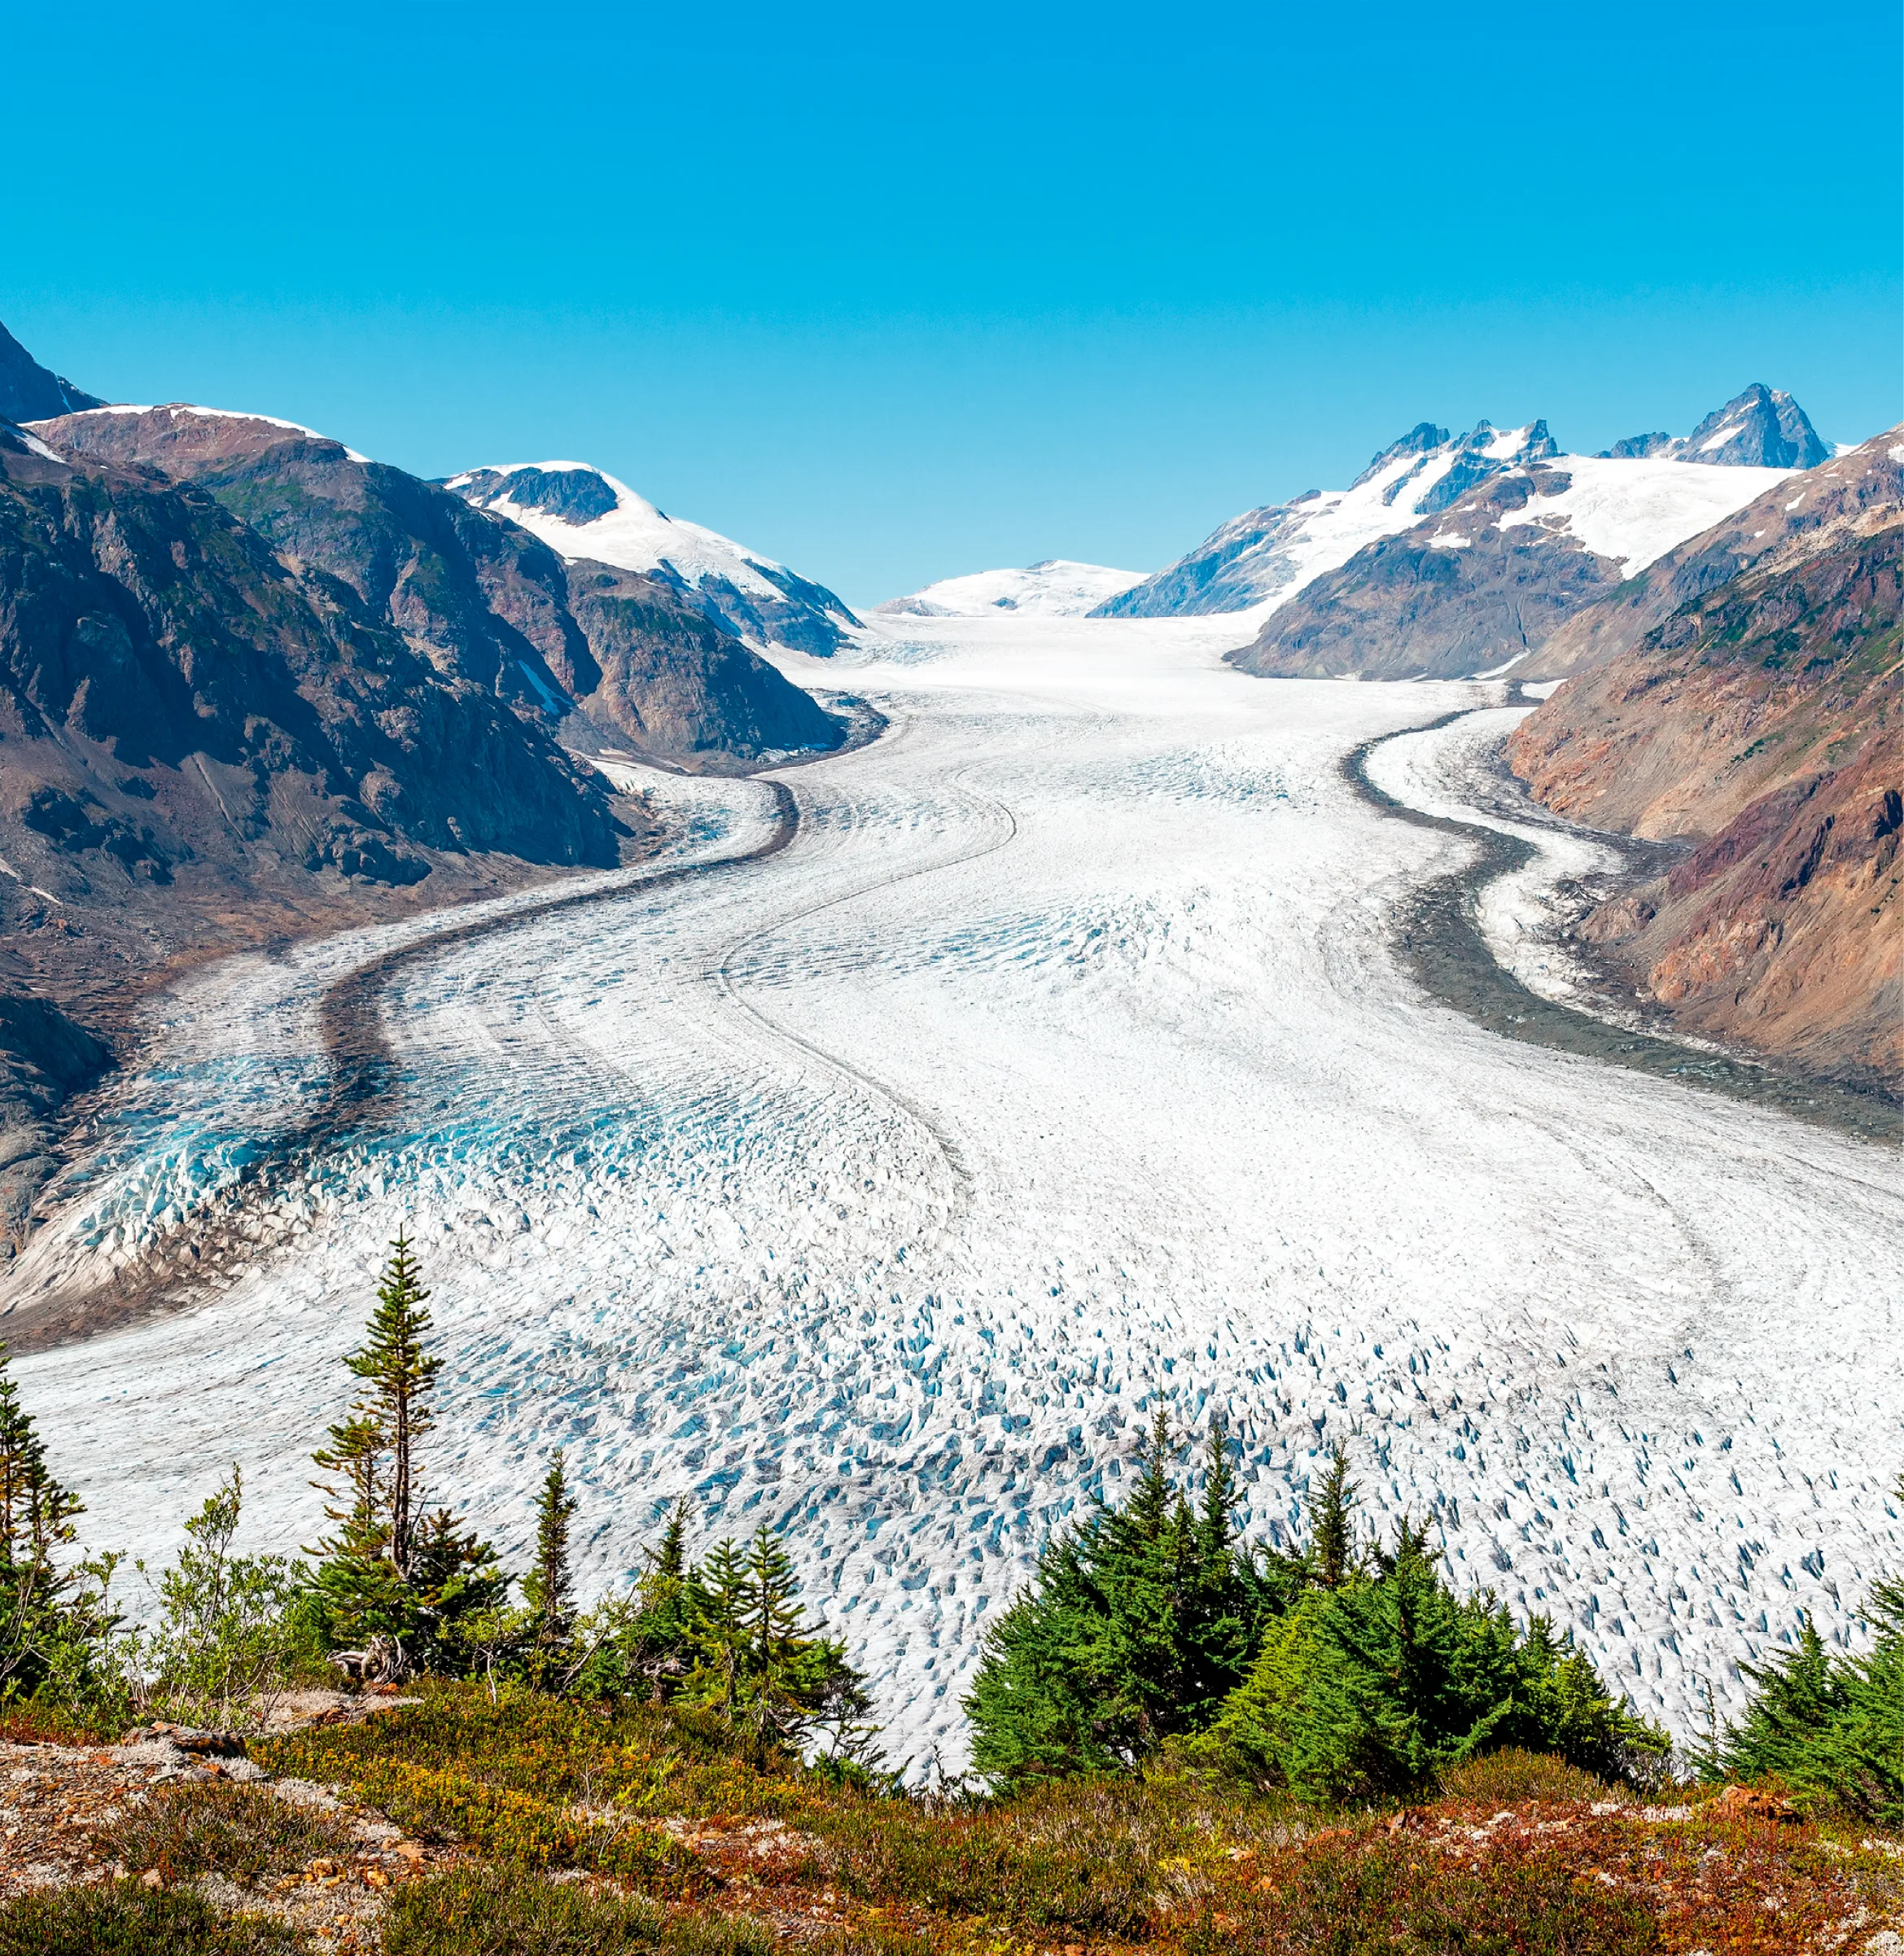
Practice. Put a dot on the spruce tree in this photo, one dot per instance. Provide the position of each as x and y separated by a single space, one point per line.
401 1376
37 1519
758 1663
397 1576
549 1590
1330 1554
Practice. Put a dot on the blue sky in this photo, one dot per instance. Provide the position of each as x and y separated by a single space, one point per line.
895 293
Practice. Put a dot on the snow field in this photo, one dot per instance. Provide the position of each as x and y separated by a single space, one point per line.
874 1189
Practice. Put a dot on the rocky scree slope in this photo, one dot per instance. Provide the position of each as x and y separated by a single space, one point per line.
1499 565
609 657
203 745
1758 719
580 512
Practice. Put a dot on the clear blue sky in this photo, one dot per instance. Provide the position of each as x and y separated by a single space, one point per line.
894 292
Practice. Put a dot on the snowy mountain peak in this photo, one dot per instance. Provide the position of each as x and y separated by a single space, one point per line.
1265 555
1423 439
1762 428
581 511
1262 558
1058 588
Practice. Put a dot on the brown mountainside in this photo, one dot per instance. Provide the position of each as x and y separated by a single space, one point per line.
613 656
1759 719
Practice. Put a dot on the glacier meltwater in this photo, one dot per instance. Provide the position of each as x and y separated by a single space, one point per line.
876 1187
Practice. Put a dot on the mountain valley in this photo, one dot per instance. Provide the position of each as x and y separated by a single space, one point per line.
864 1135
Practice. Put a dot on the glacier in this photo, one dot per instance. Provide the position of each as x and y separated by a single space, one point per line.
877 1188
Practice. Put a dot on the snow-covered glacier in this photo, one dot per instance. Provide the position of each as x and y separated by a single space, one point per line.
876 1187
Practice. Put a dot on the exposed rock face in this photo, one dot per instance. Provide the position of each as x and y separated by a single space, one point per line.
1762 428
1760 719
171 692
30 391
584 513
481 598
1455 596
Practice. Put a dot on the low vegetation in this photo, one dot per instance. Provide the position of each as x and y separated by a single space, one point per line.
1183 1742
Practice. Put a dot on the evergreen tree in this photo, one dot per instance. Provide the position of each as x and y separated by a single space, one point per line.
1331 1555
1138 1624
401 1375
1371 1688
646 1644
548 1590
1796 1697
54 1623
758 1662
397 1575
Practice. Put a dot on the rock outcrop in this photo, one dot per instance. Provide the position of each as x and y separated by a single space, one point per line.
1762 428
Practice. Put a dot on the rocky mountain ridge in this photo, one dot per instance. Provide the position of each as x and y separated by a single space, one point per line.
606 655
582 512
28 390
1268 555
1503 564
1450 557
1762 428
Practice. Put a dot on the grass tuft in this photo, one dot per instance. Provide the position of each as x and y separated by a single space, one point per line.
233 1830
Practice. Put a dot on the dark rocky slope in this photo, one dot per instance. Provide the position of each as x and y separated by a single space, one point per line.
28 390
610 656
1760 720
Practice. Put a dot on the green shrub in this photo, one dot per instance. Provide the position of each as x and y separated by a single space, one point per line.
121 1919
640 1758
234 1631
237 1831
1080 1855
501 1911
